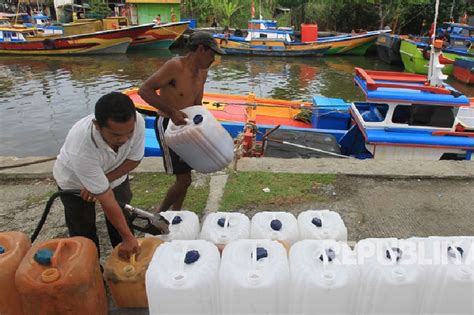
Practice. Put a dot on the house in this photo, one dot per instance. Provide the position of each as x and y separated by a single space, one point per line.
146 11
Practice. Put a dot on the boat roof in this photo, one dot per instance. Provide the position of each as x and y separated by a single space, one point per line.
407 88
16 28
465 26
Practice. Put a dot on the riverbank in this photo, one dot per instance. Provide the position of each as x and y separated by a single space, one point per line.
374 198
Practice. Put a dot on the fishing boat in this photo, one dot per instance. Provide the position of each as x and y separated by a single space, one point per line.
29 41
161 36
265 38
404 117
459 39
388 48
463 70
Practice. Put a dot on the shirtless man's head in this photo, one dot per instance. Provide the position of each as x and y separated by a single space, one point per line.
206 45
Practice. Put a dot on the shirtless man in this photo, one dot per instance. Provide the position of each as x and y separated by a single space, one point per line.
181 83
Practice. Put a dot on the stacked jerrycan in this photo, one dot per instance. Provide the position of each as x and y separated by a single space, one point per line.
126 278
182 278
254 278
321 225
281 226
392 280
449 261
203 143
61 276
184 225
221 228
324 278
13 246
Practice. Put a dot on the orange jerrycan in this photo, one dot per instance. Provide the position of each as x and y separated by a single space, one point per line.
126 278
61 276
13 246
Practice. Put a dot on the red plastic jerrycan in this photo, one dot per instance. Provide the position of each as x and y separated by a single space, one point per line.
62 276
126 278
13 246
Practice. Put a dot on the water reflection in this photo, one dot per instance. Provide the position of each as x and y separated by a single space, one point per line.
41 97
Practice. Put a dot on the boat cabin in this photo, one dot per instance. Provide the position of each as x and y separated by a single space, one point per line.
16 34
268 29
404 117
460 36
405 100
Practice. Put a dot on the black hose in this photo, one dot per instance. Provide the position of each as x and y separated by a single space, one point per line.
48 208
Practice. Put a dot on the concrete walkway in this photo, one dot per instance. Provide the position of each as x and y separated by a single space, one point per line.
370 168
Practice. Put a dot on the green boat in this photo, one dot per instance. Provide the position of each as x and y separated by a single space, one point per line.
415 60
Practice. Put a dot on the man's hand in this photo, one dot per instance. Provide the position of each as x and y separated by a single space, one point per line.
87 195
178 118
128 247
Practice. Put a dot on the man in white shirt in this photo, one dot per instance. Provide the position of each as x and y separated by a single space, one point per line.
98 153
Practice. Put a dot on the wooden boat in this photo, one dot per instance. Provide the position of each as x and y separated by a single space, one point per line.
404 117
241 109
23 40
161 36
388 48
464 70
458 39
265 38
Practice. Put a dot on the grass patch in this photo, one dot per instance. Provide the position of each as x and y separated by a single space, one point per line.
35 200
149 189
245 190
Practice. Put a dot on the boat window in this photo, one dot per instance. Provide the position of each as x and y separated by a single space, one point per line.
401 114
262 35
1 35
373 112
425 115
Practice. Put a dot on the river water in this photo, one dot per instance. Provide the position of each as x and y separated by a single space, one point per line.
42 97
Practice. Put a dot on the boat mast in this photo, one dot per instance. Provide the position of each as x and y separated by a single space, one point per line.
435 74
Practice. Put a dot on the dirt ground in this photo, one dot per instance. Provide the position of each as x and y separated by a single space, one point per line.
369 206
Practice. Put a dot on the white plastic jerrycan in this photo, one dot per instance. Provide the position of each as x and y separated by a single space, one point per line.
184 225
324 278
202 143
392 282
280 226
449 261
221 228
321 225
254 278
182 278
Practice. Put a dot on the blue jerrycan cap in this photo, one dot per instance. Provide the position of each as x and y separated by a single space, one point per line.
176 220
221 222
276 225
317 221
43 256
191 257
330 253
197 119
261 253
397 251
451 251
2 249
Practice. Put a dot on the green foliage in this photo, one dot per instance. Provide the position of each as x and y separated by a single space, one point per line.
244 190
406 16
99 8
